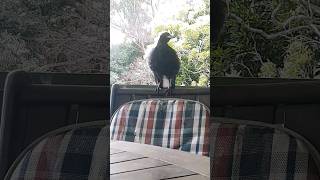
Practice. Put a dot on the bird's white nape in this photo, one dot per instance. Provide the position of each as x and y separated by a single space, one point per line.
165 82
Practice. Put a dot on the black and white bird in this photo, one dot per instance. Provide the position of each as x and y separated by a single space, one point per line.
164 63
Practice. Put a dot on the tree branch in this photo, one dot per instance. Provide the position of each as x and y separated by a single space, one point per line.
274 13
315 29
263 33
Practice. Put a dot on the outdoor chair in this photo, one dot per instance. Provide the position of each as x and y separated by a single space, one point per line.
255 150
167 122
73 152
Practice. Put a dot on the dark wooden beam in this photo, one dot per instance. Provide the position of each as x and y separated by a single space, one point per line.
218 13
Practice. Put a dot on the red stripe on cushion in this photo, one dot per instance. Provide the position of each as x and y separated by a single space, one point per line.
177 128
48 157
122 122
223 154
205 150
150 121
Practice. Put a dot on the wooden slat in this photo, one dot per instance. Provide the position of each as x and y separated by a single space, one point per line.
133 165
126 156
81 94
70 78
196 163
114 151
151 90
163 172
220 81
123 93
303 92
192 177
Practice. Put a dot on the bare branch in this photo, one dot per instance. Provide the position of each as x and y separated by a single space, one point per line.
246 67
274 13
136 40
295 18
315 29
263 33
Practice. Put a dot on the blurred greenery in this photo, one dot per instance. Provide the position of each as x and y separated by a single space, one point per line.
193 48
269 39
122 56
54 36
191 28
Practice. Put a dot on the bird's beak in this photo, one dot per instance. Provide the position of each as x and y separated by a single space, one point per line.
171 37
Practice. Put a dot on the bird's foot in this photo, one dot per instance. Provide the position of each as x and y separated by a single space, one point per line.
168 92
158 90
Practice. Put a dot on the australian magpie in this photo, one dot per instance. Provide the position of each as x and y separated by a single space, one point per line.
164 63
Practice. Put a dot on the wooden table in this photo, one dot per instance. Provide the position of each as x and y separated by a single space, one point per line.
146 162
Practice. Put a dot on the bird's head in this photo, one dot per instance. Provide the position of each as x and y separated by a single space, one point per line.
165 37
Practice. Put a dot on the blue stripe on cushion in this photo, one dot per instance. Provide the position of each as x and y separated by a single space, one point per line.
292 152
159 126
77 159
24 164
257 141
132 121
188 126
199 132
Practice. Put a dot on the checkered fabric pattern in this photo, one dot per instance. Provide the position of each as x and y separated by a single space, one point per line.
78 154
171 123
249 152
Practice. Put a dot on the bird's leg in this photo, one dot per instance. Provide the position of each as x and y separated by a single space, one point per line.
168 91
160 86
158 89
158 82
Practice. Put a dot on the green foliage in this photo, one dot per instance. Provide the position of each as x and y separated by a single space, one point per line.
268 70
268 39
55 35
173 29
193 47
121 56
191 29
298 59
13 52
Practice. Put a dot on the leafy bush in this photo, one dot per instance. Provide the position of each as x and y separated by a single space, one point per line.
191 28
269 39
54 35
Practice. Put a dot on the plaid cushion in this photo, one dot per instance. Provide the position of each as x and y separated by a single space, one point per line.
171 123
258 152
74 154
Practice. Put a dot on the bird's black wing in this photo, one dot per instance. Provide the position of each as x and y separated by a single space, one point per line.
171 63
153 62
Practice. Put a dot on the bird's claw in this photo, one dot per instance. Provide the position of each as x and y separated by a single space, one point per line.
158 89
168 92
